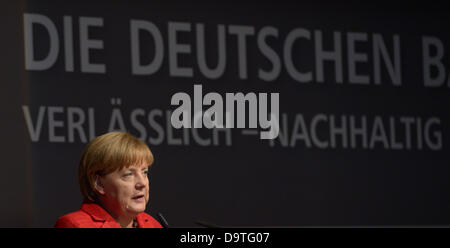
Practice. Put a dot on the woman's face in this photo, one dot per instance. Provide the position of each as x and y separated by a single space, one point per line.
125 192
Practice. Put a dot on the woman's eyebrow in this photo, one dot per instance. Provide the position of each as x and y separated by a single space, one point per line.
133 168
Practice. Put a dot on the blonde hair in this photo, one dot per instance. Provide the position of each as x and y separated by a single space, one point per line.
108 153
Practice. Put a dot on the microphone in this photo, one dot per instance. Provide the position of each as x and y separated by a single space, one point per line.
207 225
163 221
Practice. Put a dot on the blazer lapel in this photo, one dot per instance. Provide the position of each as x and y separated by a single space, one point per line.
99 215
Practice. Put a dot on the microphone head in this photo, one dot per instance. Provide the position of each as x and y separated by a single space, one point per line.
163 220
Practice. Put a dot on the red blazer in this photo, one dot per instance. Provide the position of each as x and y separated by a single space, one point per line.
92 215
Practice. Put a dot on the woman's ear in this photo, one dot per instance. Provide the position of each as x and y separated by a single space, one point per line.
99 185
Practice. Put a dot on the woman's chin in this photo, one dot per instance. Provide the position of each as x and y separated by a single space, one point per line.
136 207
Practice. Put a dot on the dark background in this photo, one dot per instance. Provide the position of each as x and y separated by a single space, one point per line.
249 183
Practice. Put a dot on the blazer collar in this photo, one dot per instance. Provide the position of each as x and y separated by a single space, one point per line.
99 214
143 220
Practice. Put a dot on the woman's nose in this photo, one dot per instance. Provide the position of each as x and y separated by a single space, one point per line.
141 182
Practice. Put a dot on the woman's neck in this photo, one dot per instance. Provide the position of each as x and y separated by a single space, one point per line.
125 221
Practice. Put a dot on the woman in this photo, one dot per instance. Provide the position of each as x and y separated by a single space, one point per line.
113 179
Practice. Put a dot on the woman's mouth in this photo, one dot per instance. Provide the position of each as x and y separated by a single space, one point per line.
138 198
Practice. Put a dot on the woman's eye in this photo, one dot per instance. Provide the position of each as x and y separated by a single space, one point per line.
145 172
127 174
